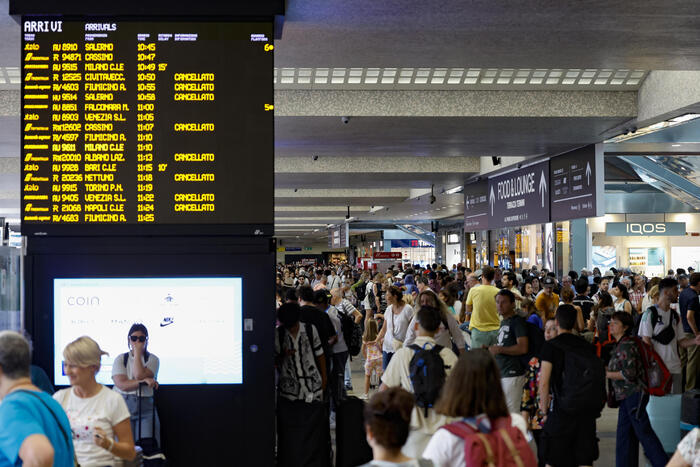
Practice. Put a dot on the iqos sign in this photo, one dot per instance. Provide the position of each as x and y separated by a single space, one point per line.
644 229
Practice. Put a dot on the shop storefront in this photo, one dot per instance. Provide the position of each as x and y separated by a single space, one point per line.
414 251
648 244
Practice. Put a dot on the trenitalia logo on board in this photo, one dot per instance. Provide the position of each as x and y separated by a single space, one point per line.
641 229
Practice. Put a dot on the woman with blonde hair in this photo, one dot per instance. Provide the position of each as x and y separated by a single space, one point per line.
448 332
99 418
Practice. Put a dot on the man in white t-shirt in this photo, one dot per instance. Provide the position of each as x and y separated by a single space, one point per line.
422 426
653 330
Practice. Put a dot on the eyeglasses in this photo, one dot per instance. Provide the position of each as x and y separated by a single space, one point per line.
137 338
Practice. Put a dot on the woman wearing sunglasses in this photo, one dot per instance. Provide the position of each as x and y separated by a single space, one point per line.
129 371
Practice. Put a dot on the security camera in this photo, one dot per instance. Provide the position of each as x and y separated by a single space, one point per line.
345 120
432 199
296 189
314 158
634 129
520 165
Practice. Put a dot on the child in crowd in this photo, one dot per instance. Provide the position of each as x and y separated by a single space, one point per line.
372 351
387 419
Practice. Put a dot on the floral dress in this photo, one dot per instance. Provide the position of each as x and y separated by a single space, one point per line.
530 401
626 359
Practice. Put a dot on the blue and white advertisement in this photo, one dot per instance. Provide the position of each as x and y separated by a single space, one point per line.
194 324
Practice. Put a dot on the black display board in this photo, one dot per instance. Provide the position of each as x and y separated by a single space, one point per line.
476 206
519 197
200 424
133 127
578 185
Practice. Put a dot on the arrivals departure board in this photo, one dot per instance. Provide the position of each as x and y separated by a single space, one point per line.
128 123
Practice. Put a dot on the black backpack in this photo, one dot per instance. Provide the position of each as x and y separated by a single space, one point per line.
427 371
360 291
583 383
535 339
352 333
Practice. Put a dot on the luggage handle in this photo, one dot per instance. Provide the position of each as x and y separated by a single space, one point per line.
153 420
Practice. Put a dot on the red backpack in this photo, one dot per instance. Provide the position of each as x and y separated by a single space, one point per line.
504 446
657 379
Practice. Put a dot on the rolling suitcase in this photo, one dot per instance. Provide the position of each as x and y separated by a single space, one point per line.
303 435
151 453
351 443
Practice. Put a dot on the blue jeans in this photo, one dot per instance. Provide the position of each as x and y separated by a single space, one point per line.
386 358
633 427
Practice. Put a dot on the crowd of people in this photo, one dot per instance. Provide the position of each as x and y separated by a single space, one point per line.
86 424
479 352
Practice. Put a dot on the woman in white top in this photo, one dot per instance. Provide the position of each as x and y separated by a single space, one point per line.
396 319
473 393
135 374
622 298
98 417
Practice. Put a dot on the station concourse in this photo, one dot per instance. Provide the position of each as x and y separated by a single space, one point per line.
159 162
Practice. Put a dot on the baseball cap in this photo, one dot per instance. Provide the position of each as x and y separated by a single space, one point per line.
609 273
548 282
322 297
478 273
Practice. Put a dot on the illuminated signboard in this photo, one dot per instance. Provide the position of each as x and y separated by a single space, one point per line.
159 124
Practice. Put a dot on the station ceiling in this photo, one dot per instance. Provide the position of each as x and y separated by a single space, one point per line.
515 43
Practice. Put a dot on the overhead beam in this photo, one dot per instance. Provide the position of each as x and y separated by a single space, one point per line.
666 94
652 149
378 165
319 103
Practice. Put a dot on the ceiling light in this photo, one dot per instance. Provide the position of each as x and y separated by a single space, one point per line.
454 190
676 145
684 118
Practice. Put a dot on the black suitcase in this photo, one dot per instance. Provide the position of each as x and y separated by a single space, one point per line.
351 443
303 434
690 411
152 454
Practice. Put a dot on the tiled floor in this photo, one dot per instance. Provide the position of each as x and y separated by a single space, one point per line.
607 424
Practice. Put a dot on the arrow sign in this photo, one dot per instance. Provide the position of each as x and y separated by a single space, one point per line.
492 200
588 172
543 187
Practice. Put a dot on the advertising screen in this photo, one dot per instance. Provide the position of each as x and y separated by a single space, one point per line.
194 324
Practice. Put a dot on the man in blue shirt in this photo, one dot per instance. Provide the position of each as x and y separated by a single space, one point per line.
35 429
689 306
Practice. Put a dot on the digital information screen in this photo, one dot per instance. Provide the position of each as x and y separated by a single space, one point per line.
194 324
146 123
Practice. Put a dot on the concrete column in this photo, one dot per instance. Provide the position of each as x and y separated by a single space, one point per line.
580 244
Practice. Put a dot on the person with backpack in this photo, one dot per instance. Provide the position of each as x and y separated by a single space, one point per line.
339 351
511 345
422 369
35 429
303 436
576 377
387 424
483 432
129 370
627 373
661 327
